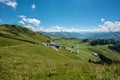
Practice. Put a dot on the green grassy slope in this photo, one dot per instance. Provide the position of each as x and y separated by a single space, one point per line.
85 50
22 59
36 62
13 34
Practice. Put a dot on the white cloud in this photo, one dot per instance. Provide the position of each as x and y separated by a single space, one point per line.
108 26
11 3
62 29
52 29
31 27
34 24
102 19
31 23
33 6
21 22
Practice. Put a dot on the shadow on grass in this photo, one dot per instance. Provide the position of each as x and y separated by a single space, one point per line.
104 60
11 37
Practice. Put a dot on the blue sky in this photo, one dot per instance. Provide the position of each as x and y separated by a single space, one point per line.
62 15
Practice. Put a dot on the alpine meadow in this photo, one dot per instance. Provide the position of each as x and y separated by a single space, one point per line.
59 40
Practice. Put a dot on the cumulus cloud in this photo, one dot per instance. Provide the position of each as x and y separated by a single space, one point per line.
102 19
34 24
106 26
109 26
21 22
11 3
52 29
61 29
31 23
31 27
33 6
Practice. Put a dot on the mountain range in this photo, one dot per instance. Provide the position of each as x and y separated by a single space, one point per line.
111 35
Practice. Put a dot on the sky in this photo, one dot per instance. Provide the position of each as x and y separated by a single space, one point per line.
62 15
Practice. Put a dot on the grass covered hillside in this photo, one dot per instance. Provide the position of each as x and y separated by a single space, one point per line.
84 49
24 57
14 35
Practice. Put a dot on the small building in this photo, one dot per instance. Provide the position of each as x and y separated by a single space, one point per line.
56 45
